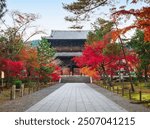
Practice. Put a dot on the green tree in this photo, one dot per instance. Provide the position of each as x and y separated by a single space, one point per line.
2 8
45 52
10 46
13 37
45 57
142 48
81 10
112 49
101 28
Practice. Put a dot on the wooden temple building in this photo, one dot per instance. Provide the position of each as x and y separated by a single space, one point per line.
68 44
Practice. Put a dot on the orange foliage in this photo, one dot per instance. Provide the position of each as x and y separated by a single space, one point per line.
29 56
115 34
142 22
147 34
90 72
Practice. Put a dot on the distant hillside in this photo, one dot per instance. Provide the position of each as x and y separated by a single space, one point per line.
35 43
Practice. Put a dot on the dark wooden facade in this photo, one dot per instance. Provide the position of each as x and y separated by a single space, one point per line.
68 44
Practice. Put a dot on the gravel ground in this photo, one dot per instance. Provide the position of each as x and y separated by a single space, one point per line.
22 104
120 100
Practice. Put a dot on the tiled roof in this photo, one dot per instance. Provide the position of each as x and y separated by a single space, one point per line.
59 34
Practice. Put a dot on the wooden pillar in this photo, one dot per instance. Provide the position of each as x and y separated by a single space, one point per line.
122 91
113 89
107 87
91 80
72 70
117 90
13 92
130 97
140 96
29 90
22 90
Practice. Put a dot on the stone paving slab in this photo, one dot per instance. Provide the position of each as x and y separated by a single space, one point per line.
76 97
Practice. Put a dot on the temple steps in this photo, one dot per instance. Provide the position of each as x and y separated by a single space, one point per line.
75 79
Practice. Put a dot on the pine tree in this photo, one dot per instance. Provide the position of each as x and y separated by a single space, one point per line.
2 8
45 52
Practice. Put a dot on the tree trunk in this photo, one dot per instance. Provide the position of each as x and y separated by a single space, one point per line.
128 71
106 75
145 73
126 62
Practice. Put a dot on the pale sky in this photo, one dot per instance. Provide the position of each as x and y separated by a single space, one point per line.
50 11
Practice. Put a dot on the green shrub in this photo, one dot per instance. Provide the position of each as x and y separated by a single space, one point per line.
17 83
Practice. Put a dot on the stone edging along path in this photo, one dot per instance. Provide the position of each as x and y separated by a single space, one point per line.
22 104
120 100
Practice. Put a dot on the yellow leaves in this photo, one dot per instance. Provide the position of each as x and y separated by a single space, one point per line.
89 71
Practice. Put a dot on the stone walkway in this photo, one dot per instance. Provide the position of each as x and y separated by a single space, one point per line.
76 97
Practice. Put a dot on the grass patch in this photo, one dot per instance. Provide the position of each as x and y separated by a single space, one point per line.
5 94
143 87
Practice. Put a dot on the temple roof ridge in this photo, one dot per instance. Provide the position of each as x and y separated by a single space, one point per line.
69 34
